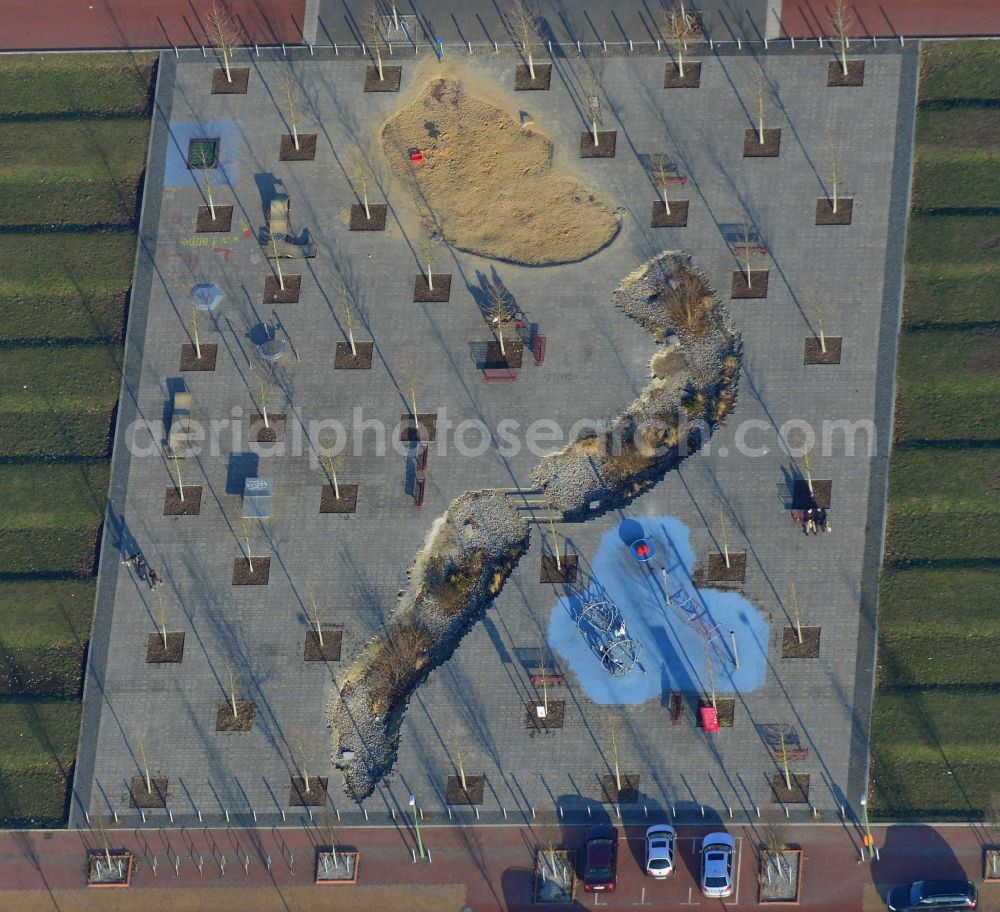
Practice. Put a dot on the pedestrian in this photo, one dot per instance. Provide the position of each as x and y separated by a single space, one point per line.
153 578
810 521
821 519
140 567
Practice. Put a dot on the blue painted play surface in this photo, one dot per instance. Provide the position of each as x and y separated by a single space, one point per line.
176 172
673 639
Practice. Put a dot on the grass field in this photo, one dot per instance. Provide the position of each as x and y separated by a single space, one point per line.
936 721
73 137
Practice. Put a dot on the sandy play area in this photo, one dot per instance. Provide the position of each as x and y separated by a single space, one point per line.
490 186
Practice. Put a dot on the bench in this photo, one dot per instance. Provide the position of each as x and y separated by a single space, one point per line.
672 180
676 707
499 374
537 679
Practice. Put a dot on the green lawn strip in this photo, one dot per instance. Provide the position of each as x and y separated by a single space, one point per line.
96 149
948 385
75 84
942 537
37 749
89 260
963 240
956 130
35 200
959 70
962 296
59 378
955 657
53 517
960 480
921 600
906 788
64 313
949 181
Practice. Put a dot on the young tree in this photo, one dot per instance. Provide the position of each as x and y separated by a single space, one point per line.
555 545
834 181
614 753
375 37
774 843
796 614
544 676
231 676
725 538
428 252
194 331
224 34
361 180
761 103
263 397
103 835
201 162
345 303
842 20
500 312
711 678
162 616
808 468
145 766
783 750
277 263
317 626
675 33
524 23
660 170
332 461
176 460
748 237
293 99
590 90
247 536
819 328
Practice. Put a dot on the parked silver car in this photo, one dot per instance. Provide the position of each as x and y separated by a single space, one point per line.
660 840
717 852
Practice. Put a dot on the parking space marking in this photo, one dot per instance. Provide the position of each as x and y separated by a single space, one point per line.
642 900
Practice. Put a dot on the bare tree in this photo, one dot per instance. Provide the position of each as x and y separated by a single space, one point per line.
748 236
524 22
263 397
428 252
593 101
808 468
361 183
375 37
247 537
194 331
783 751
317 626
293 99
675 33
277 263
144 761
834 180
231 677
223 34
345 303
796 614
819 328
176 460
500 312
761 90
725 537
201 162
774 842
162 617
555 545
614 752
661 172
332 461
842 20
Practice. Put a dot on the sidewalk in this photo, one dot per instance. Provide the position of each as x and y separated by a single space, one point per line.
484 868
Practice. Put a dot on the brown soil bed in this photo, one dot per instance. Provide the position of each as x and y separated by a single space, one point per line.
754 148
222 222
140 797
511 357
855 73
275 294
298 796
333 637
736 572
757 287
360 220
189 506
425 430
346 503
239 76
826 216
273 432
157 654
191 362
391 78
822 491
814 353
678 217
629 793
305 152
440 293
725 709
345 359
225 721
691 79
523 81
607 140
552 573
797 794
242 576
479 160
791 648
553 719
475 787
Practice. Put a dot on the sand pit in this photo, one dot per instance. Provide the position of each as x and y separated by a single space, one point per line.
489 186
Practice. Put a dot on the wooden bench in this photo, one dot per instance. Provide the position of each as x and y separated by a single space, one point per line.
537 679
499 374
676 707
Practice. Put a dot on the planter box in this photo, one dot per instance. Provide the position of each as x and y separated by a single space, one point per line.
785 887
554 887
345 871
97 865
991 864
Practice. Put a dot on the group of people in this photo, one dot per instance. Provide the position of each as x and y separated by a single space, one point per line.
138 563
815 519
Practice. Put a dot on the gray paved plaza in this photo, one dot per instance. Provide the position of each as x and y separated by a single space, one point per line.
596 362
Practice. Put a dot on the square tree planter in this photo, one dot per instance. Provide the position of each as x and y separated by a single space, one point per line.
359 359
439 294
328 650
191 362
779 878
797 794
189 506
605 148
754 148
555 876
360 220
346 503
244 576
472 793
991 864
305 152
676 218
523 81
170 654
736 572
222 222
236 84
425 428
275 294
627 794
822 492
338 866
814 353
141 797
314 796
391 78
791 648
118 874
554 717
691 79
855 73
826 216
561 571
271 432
225 721
725 709
755 288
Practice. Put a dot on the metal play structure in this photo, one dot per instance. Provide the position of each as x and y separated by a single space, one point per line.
604 629
687 605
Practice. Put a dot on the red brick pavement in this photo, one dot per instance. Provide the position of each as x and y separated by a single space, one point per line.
495 862
944 18
35 25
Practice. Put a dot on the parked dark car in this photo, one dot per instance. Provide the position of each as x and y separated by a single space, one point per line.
933 896
601 859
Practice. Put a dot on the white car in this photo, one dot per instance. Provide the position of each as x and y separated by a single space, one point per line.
717 851
660 851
